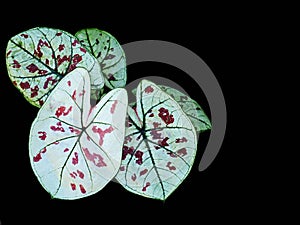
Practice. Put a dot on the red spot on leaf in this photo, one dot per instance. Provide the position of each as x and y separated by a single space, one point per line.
102 133
32 68
82 189
38 156
34 91
62 111
75 158
61 47
127 151
80 174
82 49
113 107
164 142
122 168
170 167
66 150
165 116
74 130
49 79
73 186
16 64
145 187
180 140
58 127
24 35
133 177
75 42
149 89
182 152
109 56
58 34
111 77
43 135
138 154
25 85
74 95
95 158
143 172
69 83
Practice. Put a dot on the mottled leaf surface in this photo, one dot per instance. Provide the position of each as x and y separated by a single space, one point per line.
109 54
160 144
75 149
37 59
193 110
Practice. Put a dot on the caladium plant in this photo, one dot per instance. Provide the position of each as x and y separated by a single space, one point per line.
84 135
70 141
160 144
37 59
109 54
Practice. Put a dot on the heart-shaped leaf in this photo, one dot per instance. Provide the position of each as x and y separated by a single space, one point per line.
160 144
75 149
38 58
109 54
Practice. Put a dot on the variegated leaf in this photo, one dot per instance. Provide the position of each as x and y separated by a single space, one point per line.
109 54
160 144
75 149
37 59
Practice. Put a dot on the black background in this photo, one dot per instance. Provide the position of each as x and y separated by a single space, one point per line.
223 37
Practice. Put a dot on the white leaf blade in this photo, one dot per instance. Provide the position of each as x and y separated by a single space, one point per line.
158 155
68 155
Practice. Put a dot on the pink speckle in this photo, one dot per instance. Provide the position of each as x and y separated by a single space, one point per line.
66 150
95 158
102 133
113 107
25 85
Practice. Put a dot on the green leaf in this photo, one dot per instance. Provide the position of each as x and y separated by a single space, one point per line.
109 54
